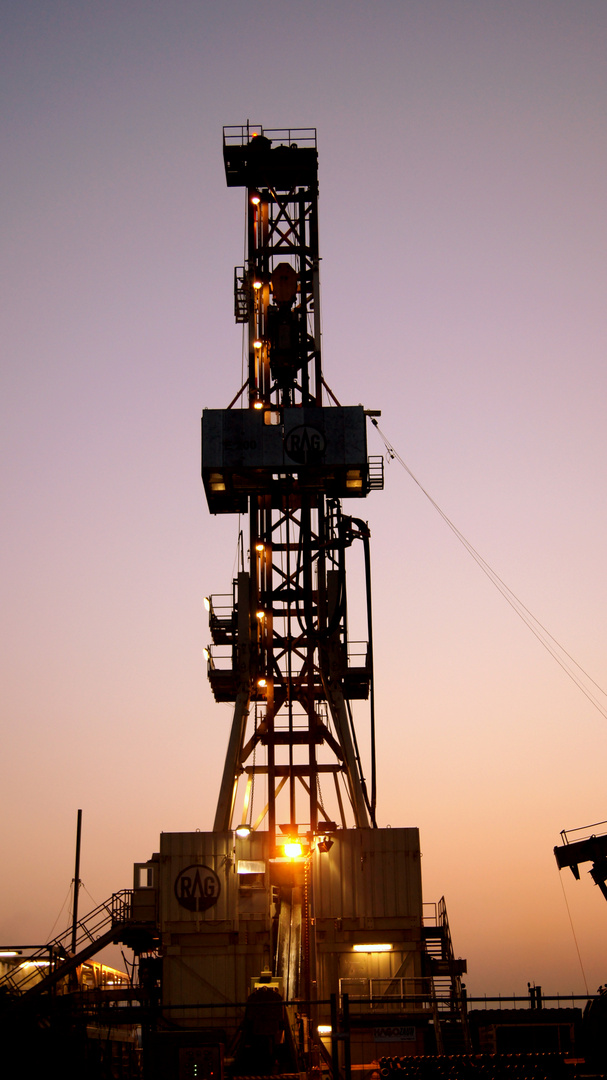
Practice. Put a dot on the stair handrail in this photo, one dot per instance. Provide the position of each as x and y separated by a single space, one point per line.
456 982
114 911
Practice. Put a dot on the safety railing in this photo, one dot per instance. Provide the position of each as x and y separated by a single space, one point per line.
241 134
396 994
44 960
585 832
376 472
430 913
222 617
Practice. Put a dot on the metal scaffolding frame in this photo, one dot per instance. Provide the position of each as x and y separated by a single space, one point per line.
288 670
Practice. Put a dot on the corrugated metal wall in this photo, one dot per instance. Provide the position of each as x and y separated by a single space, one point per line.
367 889
212 952
369 874
216 923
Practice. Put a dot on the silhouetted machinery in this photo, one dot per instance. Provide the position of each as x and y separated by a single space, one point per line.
291 939
581 846
296 919
586 845
292 936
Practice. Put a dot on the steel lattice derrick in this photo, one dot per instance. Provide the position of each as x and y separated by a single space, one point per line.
284 336
294 619
299 656
286 461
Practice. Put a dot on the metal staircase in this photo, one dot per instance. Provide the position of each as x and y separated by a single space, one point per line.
55 960
448 996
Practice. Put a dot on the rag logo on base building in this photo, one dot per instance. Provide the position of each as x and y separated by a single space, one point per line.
197 888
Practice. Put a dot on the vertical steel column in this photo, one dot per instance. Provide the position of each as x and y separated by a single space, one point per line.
76 883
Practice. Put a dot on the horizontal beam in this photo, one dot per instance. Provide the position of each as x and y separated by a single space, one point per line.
292 770
588 850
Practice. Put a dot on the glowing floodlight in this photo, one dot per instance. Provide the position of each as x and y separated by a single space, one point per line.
293 849
325 844
376 947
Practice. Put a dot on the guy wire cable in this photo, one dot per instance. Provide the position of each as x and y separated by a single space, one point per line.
536 627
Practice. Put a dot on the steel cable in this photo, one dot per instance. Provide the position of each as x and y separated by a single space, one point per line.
523 612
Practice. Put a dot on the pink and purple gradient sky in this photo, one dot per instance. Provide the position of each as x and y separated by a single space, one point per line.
463 171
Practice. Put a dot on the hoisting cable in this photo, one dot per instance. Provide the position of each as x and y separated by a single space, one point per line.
252 791
363 782
577 948
364 534
344 536
536 627
304 567
239 553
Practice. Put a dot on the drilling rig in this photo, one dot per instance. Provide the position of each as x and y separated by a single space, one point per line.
293 934
292 939
286 461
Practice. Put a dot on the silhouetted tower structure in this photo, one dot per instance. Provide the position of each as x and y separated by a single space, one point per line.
315 933
286 453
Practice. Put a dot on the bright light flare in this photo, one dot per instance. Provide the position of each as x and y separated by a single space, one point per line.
376 947
293 849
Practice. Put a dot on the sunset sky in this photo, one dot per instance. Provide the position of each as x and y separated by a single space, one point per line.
463 234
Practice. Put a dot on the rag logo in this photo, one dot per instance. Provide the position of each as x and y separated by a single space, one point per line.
197 888
305 445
